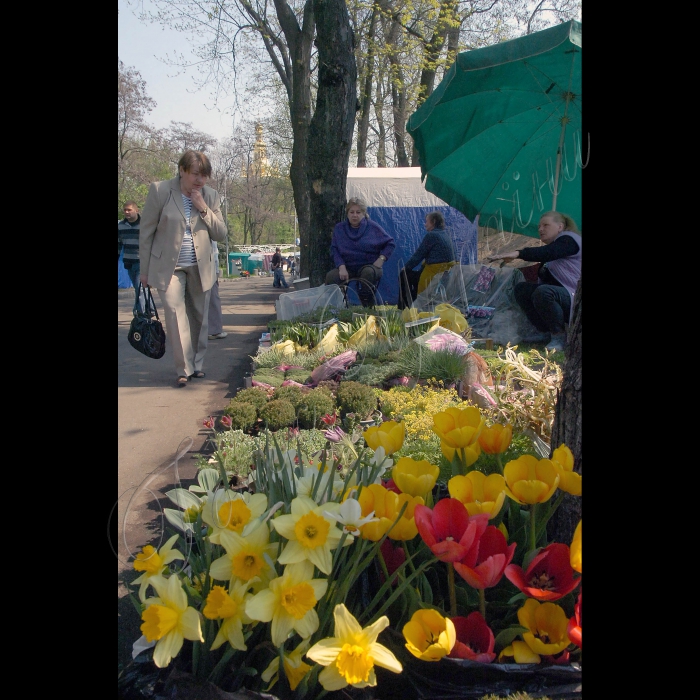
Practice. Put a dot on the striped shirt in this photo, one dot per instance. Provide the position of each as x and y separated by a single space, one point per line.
187 255
128 239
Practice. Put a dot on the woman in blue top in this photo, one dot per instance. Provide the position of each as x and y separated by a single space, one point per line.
359 247
436 250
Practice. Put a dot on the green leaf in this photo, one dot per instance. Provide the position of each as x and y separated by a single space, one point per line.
506 637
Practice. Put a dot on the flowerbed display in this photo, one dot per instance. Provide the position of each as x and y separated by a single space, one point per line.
353 567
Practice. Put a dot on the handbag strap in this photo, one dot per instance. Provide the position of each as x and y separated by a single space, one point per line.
149 309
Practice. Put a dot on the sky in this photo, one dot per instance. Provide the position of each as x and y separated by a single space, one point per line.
140 45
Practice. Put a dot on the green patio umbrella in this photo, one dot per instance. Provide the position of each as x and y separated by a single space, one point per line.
501 134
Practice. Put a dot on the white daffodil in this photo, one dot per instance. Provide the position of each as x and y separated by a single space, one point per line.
350 656
189 501
311 534
229 606
247 558
305 483
153 562
228 510
168 620
379 459
350 516
289 602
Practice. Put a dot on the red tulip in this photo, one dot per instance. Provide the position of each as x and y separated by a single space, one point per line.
574 628
226 421
475 640
390 485
549 576
449 531
493 556
393 557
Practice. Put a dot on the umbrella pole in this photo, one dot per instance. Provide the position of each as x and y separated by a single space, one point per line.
564 121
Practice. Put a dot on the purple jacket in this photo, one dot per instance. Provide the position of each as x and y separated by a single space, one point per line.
361 246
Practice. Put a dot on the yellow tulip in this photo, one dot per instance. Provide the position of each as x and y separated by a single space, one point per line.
458 427
569 480
386 506
520 653
575 549
429 636
546 624
414 477
495 440
468 455
529 480
479 493
389 435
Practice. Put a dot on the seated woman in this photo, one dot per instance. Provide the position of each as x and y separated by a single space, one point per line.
548 303
436 250
359 247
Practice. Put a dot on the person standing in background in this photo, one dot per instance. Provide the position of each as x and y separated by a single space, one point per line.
216 328
128 239
181 217
276 262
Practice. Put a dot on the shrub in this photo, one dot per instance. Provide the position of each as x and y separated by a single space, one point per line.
243 415
298 375
255 396
278 413
315 405
329 385
353 397
293 394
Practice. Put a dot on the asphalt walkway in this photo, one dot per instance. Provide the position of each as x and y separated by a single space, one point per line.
157 420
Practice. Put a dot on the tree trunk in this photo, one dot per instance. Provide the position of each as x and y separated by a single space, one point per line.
567 426
330 132
366 96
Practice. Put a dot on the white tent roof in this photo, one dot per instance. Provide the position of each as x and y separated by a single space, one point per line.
390 187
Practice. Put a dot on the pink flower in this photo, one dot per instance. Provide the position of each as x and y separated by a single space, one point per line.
334 435
226 421
209 423
493 557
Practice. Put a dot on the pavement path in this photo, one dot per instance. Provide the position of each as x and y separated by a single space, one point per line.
157 420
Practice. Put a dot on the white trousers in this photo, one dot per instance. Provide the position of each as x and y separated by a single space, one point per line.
186 308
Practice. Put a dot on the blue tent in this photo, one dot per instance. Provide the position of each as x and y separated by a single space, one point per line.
397 200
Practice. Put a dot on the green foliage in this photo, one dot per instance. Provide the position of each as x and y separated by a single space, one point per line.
273 357
268 376
293 394
316 404
420 363
243 415
303 376
372 373
255 396
353 397
278 413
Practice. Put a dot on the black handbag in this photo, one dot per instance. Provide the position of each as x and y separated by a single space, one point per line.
146 333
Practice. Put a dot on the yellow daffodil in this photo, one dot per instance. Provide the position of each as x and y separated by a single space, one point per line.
246 557
575 549
569 480
228 510
289 602
495 440
520 653
153 562
229 606
478 492
414 477
311 534
429 635
529 480
168 619
458 427
468 455
294 668
389 435
386 506
351 655
547 624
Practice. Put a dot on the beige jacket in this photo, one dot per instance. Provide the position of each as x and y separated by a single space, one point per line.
163 228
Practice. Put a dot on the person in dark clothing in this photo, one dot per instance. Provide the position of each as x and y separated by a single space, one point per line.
278 274
359 248
548 303
436 251
128 240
